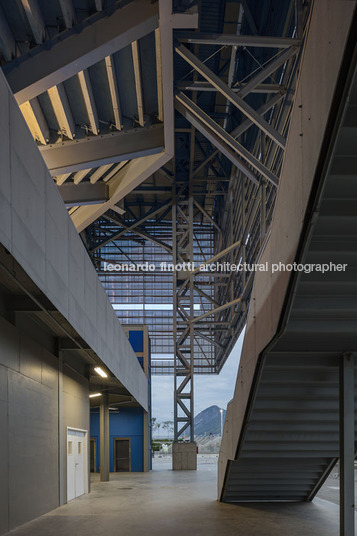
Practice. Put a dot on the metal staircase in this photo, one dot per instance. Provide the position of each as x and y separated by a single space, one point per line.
292 440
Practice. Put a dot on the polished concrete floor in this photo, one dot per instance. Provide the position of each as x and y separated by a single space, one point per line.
167 503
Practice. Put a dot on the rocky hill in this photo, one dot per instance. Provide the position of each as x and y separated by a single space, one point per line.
208 421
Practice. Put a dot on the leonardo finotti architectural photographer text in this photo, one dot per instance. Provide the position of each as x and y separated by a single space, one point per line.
225 267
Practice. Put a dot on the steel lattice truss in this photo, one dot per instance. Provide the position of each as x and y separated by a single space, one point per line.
111 90
234 92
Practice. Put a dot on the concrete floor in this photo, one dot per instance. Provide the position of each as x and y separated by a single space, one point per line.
331 488
181 503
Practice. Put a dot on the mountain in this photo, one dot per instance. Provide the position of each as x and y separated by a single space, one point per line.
208 421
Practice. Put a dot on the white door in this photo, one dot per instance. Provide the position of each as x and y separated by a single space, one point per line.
76 463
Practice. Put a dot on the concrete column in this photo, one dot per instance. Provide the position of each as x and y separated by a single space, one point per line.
104 439
347 446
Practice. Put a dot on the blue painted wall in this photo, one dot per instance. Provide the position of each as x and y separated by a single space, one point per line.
127 423
136 339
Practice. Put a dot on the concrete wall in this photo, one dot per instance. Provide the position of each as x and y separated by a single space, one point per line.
37 230
322 56
30 408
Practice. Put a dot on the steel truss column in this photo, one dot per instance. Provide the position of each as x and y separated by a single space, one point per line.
183 303
347 445
191 294
174 313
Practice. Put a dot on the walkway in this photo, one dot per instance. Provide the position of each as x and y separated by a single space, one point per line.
164 503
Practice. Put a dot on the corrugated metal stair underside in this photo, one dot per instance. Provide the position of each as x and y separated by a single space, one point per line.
292 439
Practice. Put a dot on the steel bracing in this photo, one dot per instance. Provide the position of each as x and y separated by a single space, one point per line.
218 192
108 125
183 307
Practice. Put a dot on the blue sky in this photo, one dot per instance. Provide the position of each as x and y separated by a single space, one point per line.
209 390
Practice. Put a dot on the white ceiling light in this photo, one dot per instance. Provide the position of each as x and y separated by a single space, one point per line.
101 372
93 395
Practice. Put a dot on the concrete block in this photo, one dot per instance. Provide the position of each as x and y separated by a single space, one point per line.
75 400
5 103
33 423
76 314
30 358
4 453
100 317
26 149
3 383
49 376
184 456
9 345
191 461
27 250
5 189
76 260
176 461
57 221
27 220
57 288
90 302
76 265
109 330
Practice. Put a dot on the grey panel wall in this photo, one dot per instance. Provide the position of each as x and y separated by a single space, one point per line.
4 452
36 228
29 424
33 448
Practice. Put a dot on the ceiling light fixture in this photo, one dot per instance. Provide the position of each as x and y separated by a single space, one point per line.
101 372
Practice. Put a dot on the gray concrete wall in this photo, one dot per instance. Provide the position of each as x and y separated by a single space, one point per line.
29 424
37 230
322 56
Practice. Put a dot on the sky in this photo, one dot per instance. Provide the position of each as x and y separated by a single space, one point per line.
209 390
